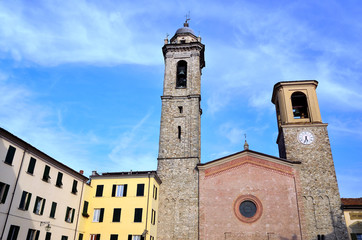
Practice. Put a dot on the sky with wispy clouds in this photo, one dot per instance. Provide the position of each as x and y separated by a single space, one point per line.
82 80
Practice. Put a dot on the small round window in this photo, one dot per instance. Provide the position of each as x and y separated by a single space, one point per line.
248 208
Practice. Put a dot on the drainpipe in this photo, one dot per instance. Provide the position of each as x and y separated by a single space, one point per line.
80 202
13 194
148 200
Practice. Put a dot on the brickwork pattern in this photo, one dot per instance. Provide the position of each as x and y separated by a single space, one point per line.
319 195
179 152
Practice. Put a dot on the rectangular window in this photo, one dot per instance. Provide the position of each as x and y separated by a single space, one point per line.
140 190
80 236
119 190
98 215
33 234
95 237
135 237
85 209
31 165
25 201
116 215
39 205
138 215
48 236
114 237
69 214
59 182
53 209
154 192
13 232
4 189
10 155
74 187
99 191
46 176
64 237
153 217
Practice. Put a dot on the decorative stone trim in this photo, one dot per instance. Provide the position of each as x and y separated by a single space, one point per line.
243 198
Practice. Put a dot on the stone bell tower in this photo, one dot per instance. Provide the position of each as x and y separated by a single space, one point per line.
179 146
304 137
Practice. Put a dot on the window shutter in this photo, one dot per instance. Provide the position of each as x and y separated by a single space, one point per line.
13 232
59 179
130 237
73 212
52 211
42 207
29 234
46 173
10 155
140 190
125 190
36 203
5 193
28 201
114 190
22 201
80 236
101 215
142 237
74 188
31 165
99 191
98 237
85 208
37 235
66 213
48 236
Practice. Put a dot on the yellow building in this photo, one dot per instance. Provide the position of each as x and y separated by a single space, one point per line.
352 208
120 206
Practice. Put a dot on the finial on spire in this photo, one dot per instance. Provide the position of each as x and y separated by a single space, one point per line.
246 145
186 24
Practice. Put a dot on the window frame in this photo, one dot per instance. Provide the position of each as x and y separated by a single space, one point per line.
74 187
138 215
69 215
46 173
119 190
59 182
140 190
39 205
14 231
4 190
53 210
117 217
99 190
98 214
25 201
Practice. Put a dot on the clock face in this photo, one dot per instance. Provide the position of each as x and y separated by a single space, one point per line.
305 137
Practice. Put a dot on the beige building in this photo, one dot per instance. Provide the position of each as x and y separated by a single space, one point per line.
39 196
352 208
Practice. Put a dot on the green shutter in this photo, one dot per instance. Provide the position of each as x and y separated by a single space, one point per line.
85 208
28 201
53 209
130 237
42 207
37 235
114 190
31 165
10 155
101 215
36 201
73 213
66 213
5 193
59 179
74 188
125 190
48 236
46 173
80 236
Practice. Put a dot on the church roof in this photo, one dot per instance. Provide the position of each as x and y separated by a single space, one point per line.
351 202
184 30
248 151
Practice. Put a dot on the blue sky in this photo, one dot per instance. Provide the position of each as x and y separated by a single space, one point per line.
82 80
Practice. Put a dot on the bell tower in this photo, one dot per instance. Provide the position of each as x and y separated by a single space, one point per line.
304 137
179 146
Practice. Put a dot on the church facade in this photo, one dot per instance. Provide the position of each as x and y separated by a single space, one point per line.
246 195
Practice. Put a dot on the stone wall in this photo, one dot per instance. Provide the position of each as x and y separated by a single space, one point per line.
319 195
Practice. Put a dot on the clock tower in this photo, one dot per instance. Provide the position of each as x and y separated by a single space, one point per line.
179 146
303 137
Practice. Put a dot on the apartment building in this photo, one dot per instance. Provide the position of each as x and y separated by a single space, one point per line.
39 196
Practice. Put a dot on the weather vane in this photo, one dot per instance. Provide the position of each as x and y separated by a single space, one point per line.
187 17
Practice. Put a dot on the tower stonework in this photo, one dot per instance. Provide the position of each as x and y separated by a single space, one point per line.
304 137
179 146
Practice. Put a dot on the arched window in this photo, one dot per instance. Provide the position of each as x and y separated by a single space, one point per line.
181 74
300 105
